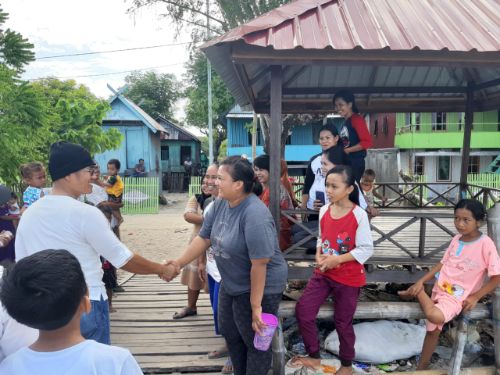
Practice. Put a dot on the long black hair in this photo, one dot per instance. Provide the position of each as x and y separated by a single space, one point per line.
349 180
241 170
347 97
337 155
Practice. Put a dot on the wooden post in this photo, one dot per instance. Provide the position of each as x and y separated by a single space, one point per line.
494 233
469 120
275 143
279 351
459 346
421 241
254 136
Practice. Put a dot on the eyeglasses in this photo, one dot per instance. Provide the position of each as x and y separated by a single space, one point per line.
91 170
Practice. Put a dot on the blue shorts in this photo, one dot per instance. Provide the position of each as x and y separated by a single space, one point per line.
95 324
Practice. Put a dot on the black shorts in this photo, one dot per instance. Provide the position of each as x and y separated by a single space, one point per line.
114 199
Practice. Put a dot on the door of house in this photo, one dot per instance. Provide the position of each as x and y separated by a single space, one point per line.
185 152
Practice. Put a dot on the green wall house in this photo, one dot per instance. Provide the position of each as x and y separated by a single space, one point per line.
177 147
430 144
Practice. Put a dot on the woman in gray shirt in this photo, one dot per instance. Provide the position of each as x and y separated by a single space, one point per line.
241 231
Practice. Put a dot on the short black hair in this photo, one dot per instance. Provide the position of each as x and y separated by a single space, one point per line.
28 169
369 173
474 206
43 290
262 162
116 163
13 195
141 159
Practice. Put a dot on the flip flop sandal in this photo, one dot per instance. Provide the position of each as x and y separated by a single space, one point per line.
228 367
295 362
219 353
186 311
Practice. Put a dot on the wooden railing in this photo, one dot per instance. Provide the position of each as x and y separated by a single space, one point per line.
428 194
422 251
140 195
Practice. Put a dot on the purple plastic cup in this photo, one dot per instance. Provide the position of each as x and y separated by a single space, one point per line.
263 342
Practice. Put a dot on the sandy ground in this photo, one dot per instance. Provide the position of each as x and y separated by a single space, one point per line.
157 237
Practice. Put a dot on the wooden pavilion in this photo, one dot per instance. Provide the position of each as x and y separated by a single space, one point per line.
395 56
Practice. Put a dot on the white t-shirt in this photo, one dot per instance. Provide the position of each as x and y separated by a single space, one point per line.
212 269
319 185
98 196
87 357
61 222
13 335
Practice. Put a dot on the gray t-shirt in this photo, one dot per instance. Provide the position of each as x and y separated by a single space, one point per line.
240 234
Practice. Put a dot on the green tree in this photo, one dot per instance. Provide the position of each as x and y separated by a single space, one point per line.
35 115
15 51
224 15
197 107
75 115
155 93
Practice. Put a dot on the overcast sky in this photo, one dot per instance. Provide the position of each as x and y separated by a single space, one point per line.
58 27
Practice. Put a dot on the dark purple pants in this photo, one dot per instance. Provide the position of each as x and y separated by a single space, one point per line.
345 299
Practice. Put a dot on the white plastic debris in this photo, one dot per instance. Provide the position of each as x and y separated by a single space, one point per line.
382 341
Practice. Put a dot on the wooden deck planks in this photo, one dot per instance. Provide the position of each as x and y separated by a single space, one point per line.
162 345
143 324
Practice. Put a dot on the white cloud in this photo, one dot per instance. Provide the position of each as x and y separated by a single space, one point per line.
64 26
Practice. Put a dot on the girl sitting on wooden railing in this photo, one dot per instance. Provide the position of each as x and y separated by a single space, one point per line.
459 276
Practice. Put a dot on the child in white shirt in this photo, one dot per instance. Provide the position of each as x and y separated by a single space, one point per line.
47 291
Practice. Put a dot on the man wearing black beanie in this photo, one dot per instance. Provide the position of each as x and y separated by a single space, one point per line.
60 221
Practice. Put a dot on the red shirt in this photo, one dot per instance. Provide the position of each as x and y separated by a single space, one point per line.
338 236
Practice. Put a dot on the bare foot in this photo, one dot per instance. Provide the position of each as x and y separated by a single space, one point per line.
344 371
308 362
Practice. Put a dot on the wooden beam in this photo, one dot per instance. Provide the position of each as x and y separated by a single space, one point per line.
257 55
275 142
259 75
487 84
379 310
469 120
375 90
379 105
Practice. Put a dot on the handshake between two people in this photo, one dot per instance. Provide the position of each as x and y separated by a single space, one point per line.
170 270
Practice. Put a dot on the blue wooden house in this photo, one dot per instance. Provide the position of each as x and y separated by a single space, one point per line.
142 137
300 146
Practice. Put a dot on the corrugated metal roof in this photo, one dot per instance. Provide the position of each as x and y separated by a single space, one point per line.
147 119
380 49
179 128
430 25
151 121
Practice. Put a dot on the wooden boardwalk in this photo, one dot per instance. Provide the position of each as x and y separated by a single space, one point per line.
143 324
162 345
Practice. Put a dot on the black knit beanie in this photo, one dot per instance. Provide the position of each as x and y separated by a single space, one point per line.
66 158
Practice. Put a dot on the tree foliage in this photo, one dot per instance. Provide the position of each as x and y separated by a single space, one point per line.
155 93
197 107
15 51
33 115
224 15
75 115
